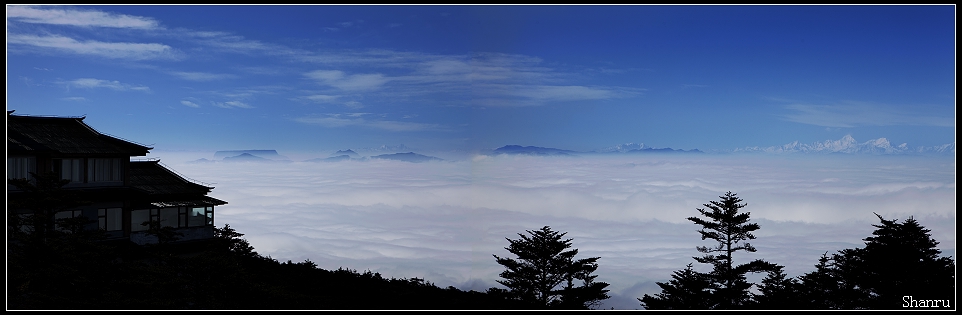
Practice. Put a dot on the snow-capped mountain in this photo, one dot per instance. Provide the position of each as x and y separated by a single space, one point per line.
624 147
847 144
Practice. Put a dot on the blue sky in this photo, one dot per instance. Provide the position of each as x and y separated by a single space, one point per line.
323 78
310 80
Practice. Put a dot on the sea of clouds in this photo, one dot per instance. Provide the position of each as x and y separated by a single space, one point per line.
443 220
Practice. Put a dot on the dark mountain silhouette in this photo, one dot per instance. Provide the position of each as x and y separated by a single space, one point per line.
531 150
407 157
350 153
663 150
246 157
265 154
343 157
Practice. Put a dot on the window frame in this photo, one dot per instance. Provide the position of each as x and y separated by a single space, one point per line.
103 215
105 170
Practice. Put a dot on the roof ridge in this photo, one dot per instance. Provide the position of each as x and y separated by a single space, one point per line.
182 176
10 114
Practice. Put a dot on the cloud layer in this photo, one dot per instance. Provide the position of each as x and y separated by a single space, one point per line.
852 114
443 220
83 18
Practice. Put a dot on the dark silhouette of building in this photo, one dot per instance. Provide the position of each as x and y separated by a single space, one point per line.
119 195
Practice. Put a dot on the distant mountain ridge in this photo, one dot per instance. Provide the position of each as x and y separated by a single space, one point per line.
845 145
407 157
245 157
531 150
628 148
265 154
349 153
849 145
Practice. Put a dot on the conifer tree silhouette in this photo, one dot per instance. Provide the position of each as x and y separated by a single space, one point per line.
899 263
688 290
731 230
546 272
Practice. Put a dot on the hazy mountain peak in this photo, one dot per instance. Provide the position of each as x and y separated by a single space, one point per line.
624 147
848 144
530 150
350 153
407 157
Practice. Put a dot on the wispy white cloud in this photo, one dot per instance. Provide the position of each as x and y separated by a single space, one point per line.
331 99
553 93
486 79
91 83
72 17
355 119
231 104
322 98
351 23
248 93
133 51
853 114
74 99
202 76
229 43
353 82
354 104
189 104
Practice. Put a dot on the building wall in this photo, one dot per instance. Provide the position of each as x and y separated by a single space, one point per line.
189 234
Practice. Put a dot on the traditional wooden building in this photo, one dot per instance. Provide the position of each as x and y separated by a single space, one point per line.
118 195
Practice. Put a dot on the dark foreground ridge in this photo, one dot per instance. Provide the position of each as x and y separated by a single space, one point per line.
77 272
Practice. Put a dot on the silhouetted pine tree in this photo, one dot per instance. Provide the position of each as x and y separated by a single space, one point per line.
827 287
730 229
546 272
899 260
777 291
688 290
42 197
899 263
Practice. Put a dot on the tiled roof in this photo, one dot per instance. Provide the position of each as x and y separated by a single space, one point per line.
64 135
152 177
203 201
163 184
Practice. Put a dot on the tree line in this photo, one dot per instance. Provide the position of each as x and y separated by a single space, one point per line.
899 267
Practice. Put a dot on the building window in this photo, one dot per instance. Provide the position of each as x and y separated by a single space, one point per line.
111 219
197 216
105 170
210 215
137 219
20 167
25 220
62 219
69 169
170 217
175 217
182 214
